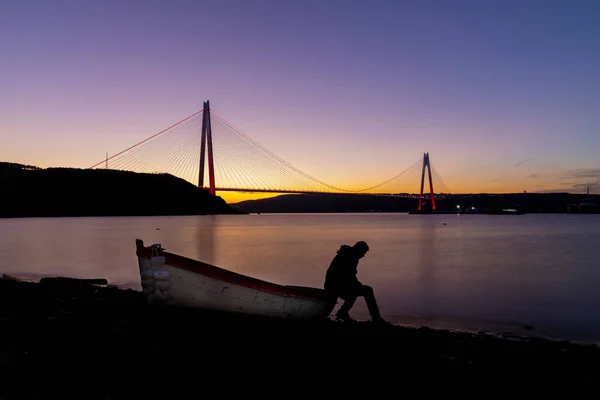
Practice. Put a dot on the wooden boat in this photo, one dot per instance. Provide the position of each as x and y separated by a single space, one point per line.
172 279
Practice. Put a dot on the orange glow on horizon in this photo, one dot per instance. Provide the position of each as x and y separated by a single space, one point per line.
236 197
456 188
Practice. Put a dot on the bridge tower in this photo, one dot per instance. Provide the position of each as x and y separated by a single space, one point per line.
207 142
428 166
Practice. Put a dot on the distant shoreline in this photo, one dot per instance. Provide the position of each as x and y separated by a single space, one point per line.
279 213
525 203
30 192
115 216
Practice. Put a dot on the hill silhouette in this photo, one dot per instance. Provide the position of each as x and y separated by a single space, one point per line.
344 203
29 191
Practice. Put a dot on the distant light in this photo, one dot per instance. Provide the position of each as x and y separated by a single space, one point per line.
457 206
472 208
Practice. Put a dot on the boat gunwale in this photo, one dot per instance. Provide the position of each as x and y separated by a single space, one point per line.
222 274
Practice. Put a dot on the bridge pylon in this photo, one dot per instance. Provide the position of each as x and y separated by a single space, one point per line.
207 142
428 166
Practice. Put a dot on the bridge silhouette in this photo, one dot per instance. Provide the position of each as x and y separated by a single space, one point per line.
237 163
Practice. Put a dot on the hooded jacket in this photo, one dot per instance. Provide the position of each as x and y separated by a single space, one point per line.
341 274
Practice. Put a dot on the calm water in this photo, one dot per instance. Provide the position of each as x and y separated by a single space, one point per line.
468 272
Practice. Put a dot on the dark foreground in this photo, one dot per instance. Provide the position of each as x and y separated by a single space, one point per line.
100 342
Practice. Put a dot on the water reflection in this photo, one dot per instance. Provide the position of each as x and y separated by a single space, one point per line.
426 279
206 234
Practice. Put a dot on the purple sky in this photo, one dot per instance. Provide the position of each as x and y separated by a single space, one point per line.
504 95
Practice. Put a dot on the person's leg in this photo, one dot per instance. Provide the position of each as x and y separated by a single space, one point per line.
343 312
369 296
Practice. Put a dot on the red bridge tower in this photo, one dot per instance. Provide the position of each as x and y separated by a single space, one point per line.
421 200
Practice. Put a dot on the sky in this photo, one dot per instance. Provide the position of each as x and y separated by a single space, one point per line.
504 95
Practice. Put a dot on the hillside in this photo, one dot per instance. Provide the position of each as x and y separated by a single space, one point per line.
323 203
28 191
343 203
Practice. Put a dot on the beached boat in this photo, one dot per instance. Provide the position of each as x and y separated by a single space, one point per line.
172 279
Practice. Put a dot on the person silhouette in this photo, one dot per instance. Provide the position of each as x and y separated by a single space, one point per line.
341 281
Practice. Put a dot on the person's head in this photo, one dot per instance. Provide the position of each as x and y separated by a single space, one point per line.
361 248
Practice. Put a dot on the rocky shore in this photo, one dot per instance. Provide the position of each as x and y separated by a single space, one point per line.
66 333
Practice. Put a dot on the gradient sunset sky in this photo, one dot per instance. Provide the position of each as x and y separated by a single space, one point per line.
504 95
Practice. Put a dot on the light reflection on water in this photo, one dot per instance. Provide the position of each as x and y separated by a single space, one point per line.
477 272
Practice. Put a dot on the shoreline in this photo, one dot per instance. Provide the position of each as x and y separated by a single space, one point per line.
499 329
57 329
282 213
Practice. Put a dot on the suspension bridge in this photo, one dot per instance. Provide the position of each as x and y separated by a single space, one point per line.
205 142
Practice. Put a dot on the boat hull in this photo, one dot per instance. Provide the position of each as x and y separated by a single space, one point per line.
171 279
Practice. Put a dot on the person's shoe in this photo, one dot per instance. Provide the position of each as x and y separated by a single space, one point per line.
344 317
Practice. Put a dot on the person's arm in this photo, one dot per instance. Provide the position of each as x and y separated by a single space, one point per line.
353 278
